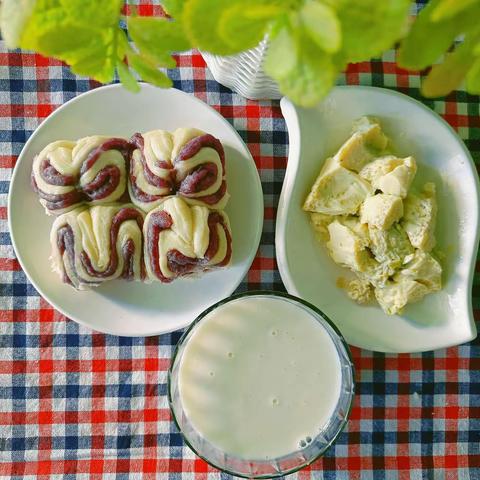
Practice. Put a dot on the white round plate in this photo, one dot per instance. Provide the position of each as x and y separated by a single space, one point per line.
441 319
132 308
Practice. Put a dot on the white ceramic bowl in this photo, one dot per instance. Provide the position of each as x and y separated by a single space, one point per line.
120 307
441 319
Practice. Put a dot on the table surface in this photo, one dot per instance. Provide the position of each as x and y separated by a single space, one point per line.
80 404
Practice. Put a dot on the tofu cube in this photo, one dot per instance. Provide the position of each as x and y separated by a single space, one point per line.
354 224
370 126
358 289
379 167
390 174
346 248
420 218
337 191
423 268
365 143
320 223
390 246
398 181
381 211
393 296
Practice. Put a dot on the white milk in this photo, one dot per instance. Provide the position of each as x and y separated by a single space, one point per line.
259 377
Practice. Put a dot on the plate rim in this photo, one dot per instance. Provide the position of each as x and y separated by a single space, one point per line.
287 187
143 86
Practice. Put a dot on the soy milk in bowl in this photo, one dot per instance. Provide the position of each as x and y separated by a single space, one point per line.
261 384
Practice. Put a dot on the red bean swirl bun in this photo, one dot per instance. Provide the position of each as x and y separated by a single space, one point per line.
188 162
181 239
91 245
92 170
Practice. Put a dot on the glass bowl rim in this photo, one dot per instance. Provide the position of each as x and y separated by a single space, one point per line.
256 293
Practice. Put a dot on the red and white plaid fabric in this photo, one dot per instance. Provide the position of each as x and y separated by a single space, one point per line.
79 404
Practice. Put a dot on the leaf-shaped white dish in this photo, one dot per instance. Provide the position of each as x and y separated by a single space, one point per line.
441 319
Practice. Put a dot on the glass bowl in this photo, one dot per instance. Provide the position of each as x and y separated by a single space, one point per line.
276 466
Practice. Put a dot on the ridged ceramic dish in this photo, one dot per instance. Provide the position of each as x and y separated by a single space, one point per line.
441 319
243 73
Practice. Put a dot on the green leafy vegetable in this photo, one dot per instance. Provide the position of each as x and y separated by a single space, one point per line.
244 26
148 72
87 41
370 27
322 37
321 24
99 63
473 78
447 76
282 55
437 27
174 7
449 8
311 79
434 37
150 31
14 14
49 30
310 41
157 38
204 22
98 14
304 72
127 78
201 19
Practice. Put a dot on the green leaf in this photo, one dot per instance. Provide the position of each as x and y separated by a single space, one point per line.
157 37
473 78
159 33
14 14
277 25
310 81
211 27
63 42
312 76
123 45
100 68
449 8
369 27
244 26
174 8
59 29
148 72
201 19
98 61
127 78
427 40
321 23
304 72
448 76
281 55
94 14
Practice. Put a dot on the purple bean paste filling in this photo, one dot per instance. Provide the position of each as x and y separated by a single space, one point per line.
197 180
121 216
103 185
178 263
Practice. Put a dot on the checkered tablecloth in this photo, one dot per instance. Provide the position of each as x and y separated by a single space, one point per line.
79 404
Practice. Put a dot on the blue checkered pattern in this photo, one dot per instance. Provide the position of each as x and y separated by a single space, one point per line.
80 404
